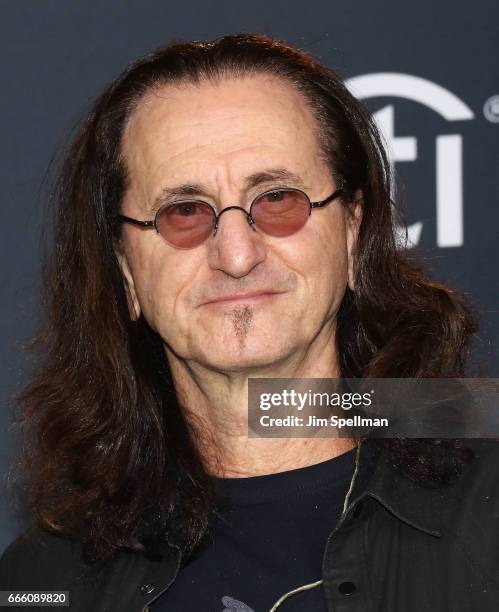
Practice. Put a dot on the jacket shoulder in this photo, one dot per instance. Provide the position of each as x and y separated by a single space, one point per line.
484 469
476 492
40 560
473 515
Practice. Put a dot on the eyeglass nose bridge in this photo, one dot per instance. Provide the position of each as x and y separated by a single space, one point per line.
249 217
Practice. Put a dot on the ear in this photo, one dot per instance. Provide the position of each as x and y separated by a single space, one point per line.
133 303
353 220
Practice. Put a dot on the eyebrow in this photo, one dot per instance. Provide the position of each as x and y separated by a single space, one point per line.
250 182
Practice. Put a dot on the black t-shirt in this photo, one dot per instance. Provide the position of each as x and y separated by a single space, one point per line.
269 538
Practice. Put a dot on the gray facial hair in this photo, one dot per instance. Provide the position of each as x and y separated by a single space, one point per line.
242 319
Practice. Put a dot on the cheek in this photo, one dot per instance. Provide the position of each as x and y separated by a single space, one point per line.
323 246
324 265
167 299
161 278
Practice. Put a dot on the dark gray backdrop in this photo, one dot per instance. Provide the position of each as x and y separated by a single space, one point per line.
57 56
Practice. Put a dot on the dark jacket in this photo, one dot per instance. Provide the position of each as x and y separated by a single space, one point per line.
400 547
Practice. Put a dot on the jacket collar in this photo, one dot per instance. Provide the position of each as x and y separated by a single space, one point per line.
409 501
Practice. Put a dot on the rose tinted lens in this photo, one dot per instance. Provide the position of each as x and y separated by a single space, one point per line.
281 212
185 224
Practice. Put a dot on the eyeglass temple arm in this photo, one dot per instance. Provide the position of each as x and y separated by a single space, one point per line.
126 219
337 194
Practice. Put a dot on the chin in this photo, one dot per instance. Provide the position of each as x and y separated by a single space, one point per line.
237 358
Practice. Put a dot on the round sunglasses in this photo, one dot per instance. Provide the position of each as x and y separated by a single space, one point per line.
188 223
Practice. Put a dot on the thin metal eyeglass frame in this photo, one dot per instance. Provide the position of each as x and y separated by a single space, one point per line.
216 216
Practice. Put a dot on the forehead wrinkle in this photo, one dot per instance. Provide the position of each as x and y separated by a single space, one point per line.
152 109
148 142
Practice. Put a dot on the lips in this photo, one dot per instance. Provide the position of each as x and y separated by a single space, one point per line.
250 295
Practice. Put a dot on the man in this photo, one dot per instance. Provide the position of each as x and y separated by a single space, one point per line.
224 213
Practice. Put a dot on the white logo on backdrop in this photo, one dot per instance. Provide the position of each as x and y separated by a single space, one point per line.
449 147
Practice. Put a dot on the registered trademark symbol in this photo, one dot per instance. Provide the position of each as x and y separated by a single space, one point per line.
491 109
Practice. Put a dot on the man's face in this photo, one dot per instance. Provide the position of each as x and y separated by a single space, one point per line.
215 136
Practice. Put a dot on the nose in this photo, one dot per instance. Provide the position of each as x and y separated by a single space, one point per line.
237 247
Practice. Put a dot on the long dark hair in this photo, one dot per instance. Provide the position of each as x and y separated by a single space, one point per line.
108 455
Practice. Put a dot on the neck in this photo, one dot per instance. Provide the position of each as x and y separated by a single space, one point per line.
216 406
